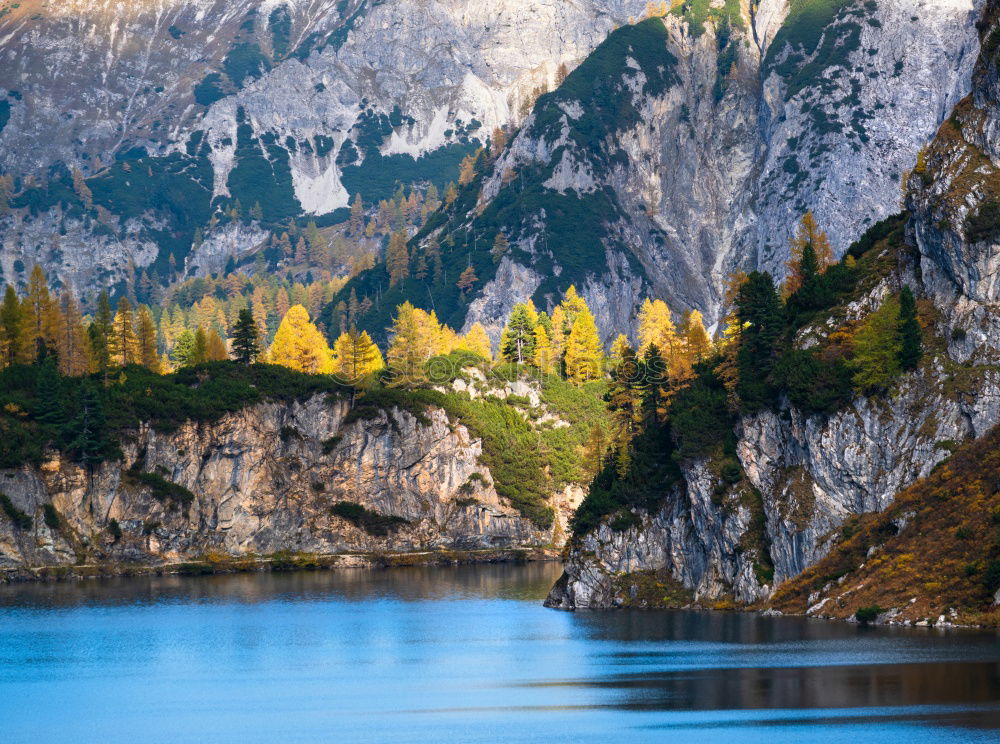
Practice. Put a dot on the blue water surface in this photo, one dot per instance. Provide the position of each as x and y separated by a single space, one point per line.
464 654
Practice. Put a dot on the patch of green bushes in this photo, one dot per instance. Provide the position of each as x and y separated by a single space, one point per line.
20 520
52 519
160 488
867 615
372 522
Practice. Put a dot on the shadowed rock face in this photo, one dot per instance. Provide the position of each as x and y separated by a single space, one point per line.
813 473
264 480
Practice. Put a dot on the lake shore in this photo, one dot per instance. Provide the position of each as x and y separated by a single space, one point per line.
281 562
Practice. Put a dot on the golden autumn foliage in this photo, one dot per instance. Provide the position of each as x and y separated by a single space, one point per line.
584 356
356 356
808 233
299 345
477 342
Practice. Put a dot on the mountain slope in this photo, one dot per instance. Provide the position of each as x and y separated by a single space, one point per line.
934 553
316 99
687 147
749 515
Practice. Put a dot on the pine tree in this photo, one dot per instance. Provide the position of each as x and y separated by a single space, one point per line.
50 408
246 338
909 331
450 194
88 431
14 332
397 258
101 332
624 404
356 356
433 251
147 353
517 344
761 323
583 349
653 387
299 345
184 353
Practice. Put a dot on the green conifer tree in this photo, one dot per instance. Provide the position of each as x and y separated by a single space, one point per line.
909 331
246 338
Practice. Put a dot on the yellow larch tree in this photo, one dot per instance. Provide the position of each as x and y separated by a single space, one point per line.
148 355
74 358
299 345
619 347
477 341
124 343
656 326
415 338
583 349
42 314
808 233
356 356
544 358
215 347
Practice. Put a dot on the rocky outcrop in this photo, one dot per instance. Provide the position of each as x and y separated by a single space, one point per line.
264 480
808 475
692 151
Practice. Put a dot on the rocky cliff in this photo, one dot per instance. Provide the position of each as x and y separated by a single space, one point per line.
337 98
806 475
688 146
264 480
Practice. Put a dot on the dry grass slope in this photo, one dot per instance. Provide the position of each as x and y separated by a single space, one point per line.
935 551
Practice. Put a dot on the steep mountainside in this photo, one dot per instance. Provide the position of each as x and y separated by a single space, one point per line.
291 103
934 556
802 475
687 147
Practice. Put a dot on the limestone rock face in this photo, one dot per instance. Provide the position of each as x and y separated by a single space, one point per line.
717 138
809 474
264 480
85 81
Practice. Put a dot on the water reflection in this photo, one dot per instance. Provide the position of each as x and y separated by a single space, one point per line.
463 654
527 582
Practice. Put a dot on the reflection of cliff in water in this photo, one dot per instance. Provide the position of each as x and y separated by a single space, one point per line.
530 581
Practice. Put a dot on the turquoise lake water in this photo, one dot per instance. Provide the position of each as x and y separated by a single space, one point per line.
462 654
